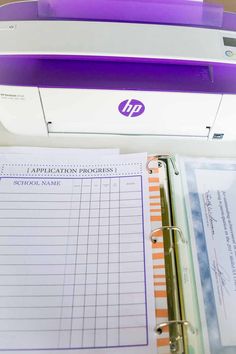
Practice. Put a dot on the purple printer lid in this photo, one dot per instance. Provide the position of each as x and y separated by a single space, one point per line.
177 12
19 11
195 14
107 73
155 11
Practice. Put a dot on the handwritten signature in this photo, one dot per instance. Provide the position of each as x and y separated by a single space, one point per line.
209 211
222 276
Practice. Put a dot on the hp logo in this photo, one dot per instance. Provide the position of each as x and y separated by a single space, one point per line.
131 108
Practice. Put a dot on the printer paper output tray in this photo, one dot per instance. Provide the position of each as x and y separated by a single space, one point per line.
73 111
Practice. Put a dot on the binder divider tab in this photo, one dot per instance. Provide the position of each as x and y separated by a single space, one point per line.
173 236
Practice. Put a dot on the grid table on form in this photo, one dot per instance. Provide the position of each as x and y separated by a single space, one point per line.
72 263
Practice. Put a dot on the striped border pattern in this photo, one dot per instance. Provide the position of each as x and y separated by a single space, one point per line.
160 292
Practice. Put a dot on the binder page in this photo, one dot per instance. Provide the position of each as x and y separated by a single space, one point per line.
211 201
67 152
75 256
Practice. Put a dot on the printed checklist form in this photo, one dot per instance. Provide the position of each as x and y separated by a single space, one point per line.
75 256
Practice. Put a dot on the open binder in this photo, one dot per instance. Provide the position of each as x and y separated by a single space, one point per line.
186 273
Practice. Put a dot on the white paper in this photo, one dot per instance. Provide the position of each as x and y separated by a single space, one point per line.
66 152
75 256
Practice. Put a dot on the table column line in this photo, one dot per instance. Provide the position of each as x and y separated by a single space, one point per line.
76 255
61 311
86 266
96 305
108 241
119 268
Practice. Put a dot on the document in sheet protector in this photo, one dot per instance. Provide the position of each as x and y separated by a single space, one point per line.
75 256
212 191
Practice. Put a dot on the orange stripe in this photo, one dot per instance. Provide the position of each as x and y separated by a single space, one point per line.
159 276
156 218
155 210
154 188
162 313
159 283
157 233
158 266
158 256
155 170
155 204
154 197
161 342
160 293
153 180
158 245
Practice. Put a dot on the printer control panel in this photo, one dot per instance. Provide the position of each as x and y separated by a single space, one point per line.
230 47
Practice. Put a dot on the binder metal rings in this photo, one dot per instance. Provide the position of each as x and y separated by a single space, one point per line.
170 228
160 163
182 323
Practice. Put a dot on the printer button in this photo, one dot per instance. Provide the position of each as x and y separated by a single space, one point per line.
229 53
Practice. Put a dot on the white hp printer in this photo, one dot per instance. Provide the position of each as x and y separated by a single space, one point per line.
141 77
102 83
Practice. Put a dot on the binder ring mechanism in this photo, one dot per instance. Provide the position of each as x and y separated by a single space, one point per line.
183 323
178 338
176 229
159 158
